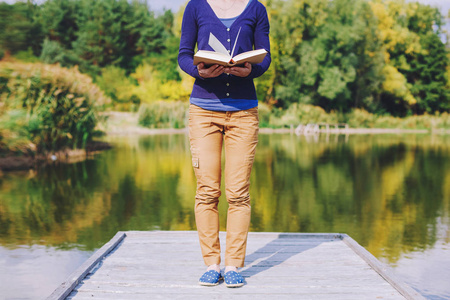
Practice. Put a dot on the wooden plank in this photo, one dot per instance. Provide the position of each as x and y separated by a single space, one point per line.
288 265
75 278
383 270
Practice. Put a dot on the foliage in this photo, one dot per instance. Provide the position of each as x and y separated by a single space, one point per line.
26 56
415 58
52 52
18 29
116 32
60 104
162 114
381 56
119 87
356 118
151 87
321 48
58 19
94 34
14 134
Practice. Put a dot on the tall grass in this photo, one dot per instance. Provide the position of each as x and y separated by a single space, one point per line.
58 106
162 114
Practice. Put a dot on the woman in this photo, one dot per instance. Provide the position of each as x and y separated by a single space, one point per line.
223 111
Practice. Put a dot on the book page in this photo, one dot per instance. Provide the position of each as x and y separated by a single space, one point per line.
217 45
235 42
211 58
253 57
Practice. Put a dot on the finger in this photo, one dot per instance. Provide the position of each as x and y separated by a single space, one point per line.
241 72
214 67
201 66
218 71
212 70
236 70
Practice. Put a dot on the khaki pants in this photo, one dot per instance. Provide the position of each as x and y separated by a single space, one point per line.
238 132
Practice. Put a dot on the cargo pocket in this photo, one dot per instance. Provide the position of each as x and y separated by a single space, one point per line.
196 167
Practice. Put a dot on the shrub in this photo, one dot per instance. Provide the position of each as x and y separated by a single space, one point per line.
297 114
26 56
162 114
14 135
117 85
60 104
152 88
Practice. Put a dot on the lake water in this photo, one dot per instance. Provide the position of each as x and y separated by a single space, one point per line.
391 193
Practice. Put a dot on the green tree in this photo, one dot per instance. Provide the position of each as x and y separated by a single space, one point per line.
429 77
327 53
116 32
58 19
18 30
415 58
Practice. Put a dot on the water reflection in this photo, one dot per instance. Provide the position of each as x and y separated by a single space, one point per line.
390 193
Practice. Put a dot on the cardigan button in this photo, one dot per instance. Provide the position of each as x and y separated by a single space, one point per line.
228 84
228 94
228 29
228 40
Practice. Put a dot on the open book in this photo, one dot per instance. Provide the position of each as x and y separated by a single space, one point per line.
221 56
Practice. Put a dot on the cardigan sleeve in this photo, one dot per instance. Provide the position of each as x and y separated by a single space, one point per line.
262 42
189 31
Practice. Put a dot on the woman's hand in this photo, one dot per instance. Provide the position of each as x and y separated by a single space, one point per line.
240 71
211 72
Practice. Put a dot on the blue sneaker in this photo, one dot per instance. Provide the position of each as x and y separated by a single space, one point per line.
233 279
210 278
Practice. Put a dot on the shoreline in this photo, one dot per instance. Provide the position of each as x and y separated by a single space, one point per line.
124 123
26 162
138 130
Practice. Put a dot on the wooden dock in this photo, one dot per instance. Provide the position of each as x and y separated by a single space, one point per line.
167 265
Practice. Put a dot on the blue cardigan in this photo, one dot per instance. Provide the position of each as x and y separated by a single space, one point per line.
225 92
